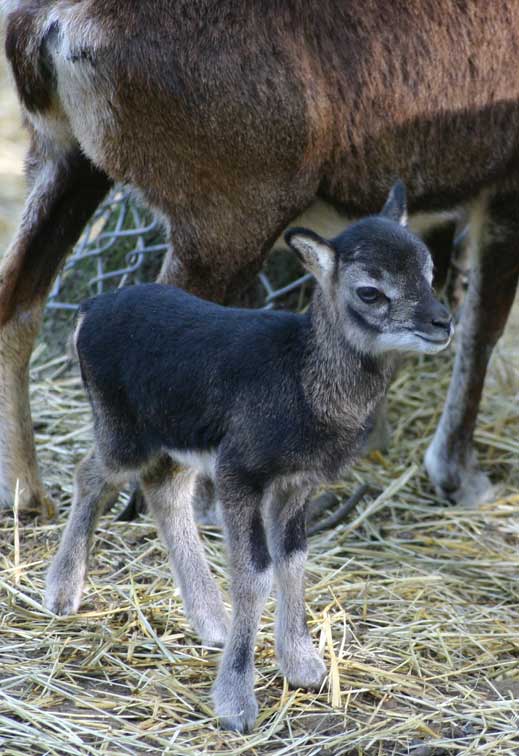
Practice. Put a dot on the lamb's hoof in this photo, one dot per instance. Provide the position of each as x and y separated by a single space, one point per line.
61 604
62 596
466 486
213 633
235 706
305 673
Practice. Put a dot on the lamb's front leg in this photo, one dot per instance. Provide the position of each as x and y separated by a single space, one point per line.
297 657
251 576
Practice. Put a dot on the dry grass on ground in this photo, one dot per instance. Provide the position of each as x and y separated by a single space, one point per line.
414 606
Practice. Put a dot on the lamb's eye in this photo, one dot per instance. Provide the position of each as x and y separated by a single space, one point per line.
369 294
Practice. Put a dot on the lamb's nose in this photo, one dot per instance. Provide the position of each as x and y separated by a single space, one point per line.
441 317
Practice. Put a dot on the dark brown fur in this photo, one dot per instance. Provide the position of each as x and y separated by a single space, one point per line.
257 107
24 47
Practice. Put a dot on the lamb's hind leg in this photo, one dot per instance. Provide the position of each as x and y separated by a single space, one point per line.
169 495
66 576
66 188
451 460
297 657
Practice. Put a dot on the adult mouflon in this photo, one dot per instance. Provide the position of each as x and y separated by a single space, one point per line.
268 404
230 119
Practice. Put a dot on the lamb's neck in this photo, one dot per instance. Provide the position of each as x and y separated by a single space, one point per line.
339 379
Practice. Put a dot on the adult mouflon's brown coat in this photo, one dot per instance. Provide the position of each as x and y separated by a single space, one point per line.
230 118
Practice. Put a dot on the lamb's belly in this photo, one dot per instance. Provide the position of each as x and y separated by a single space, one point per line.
202 461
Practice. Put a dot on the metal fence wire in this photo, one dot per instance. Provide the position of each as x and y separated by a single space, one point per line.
123 244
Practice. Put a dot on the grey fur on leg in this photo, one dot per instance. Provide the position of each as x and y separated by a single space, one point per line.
169 496
66 575
297 657
251 578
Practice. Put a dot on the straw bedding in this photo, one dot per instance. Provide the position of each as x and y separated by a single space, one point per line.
413 604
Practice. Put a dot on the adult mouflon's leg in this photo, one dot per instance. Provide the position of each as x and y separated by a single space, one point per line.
169 494
66 575
450 459
297 657
251 577
65 190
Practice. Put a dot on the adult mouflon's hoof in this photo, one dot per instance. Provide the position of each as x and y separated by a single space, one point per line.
305 673
33 504
463 484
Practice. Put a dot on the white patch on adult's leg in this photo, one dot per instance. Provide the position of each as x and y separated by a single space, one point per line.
322 217
326 220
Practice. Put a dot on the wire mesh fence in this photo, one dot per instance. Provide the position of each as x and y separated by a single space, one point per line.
118 246
123 244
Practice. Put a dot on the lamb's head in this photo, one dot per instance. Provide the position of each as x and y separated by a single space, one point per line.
375 280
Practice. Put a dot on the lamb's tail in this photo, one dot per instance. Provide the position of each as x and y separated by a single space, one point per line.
72 350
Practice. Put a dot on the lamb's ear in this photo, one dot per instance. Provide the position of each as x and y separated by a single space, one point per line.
396 204
316 254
